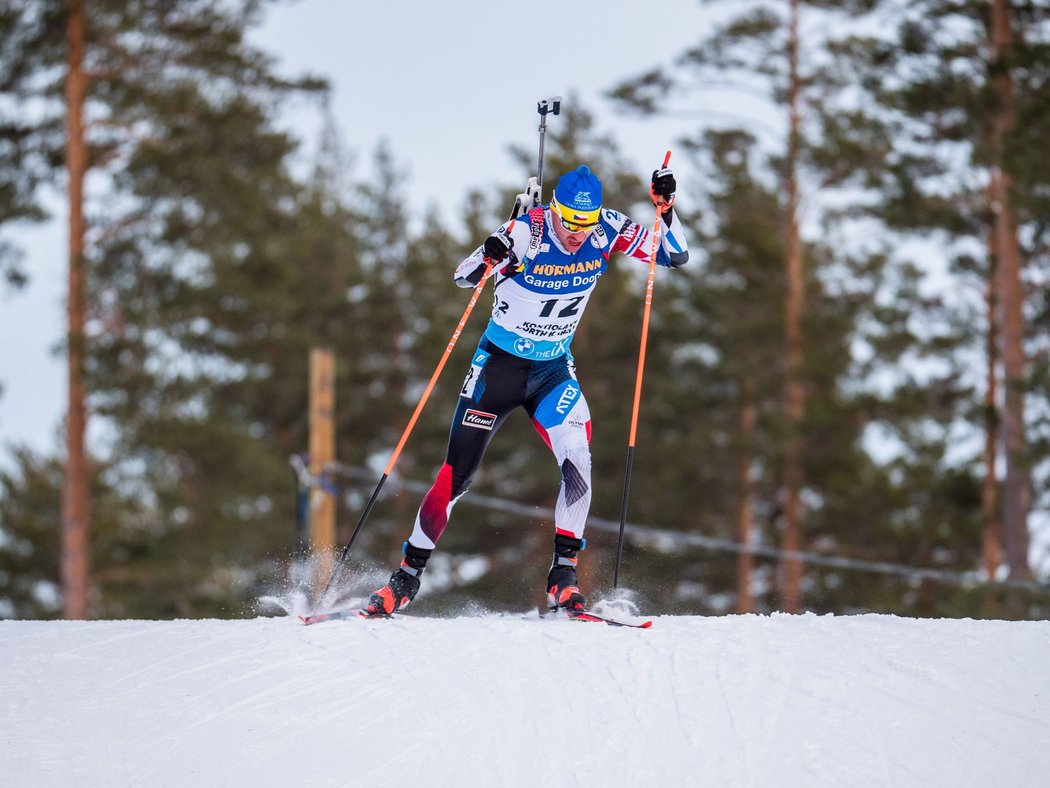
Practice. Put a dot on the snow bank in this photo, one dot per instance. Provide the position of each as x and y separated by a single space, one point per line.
506 700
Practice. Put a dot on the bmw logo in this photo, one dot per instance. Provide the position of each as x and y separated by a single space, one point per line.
524 347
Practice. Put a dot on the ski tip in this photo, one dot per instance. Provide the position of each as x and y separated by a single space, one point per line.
586 615
340 615
317 618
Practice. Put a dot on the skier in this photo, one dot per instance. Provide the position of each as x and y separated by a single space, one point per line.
555 256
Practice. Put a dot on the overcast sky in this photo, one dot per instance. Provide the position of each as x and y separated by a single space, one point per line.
450 86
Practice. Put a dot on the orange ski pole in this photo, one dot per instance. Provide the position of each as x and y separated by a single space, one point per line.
638 381
415 417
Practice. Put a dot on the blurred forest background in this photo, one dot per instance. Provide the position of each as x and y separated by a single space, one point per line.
824 427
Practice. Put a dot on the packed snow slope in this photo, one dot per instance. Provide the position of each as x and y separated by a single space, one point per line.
520 701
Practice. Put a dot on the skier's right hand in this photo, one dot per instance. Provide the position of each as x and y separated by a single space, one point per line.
663 188
497 247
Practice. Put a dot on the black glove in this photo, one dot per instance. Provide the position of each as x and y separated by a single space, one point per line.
497 247
663 188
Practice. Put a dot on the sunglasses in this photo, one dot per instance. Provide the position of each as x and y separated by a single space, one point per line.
571 225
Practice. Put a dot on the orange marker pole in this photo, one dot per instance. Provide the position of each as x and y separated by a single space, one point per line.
638 382
412 421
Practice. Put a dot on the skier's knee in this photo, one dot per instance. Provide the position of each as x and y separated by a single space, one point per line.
576 475
579 457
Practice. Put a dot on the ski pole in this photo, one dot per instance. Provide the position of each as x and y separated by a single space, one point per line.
552 106
638 381
412 422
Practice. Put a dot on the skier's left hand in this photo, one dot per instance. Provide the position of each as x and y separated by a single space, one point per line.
663 188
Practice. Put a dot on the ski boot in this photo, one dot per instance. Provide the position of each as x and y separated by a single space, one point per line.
402 586
562 591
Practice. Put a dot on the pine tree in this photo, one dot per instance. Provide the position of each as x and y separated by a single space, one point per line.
727 322
766 49
168 105
971 78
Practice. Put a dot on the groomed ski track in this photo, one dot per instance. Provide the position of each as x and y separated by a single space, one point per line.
502 700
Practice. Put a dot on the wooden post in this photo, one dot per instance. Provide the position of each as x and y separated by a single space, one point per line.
322 449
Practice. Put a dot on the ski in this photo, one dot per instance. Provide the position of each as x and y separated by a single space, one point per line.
586 615
573 615
339 615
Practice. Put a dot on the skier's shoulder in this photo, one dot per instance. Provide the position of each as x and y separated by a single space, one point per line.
618 227
522 226
613 220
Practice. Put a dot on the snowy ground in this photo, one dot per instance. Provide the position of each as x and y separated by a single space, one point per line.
507 700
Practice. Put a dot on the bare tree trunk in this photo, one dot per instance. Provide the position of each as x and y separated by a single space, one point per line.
1016 493
745 484
75 507
794 390
992 546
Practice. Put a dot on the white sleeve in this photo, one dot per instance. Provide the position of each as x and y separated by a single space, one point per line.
673 245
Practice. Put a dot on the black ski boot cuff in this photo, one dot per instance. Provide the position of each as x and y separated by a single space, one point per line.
415 560
568 546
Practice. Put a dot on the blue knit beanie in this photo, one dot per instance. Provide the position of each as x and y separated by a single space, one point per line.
580 192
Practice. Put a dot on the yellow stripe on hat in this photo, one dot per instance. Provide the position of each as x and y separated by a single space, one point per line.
582 218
